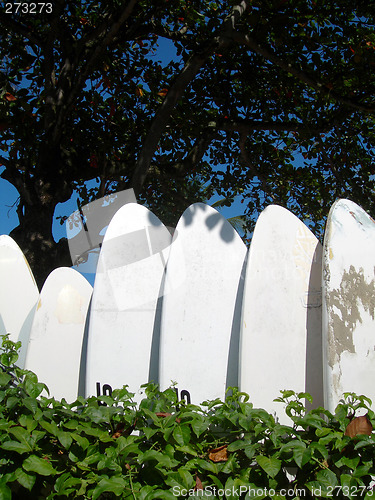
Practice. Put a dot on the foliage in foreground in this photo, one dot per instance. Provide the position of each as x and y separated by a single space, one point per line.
109 447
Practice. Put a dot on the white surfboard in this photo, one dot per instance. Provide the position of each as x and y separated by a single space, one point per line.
124 320
18 295
201 306
349 303
281 345
55 344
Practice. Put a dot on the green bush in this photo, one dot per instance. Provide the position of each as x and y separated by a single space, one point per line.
108 447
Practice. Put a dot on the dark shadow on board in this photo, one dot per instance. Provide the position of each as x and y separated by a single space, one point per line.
234 346
213 220
153 374
83 363
314 344
24 335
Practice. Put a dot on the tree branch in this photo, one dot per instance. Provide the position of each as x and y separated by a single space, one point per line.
320 87
9 22
4 161
49 70
99 49
91 61
245 127
196 153
248 163
175 92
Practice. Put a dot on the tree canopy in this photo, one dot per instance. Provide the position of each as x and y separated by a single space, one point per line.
269 100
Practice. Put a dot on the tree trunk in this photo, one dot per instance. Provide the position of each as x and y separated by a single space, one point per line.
34 236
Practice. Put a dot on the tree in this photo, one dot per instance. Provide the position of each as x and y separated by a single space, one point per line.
272 100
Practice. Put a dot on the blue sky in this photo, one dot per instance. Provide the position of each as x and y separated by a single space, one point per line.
8 212
8 215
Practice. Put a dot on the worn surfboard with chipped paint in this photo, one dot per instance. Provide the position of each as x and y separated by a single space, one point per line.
55 345
202 306
348 303
124 324
18 295
281 346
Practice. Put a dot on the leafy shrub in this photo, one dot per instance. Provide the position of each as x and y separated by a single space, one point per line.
107 447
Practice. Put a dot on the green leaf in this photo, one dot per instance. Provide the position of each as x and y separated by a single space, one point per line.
187 478
348 482
16 446
50 427
363 440
65 439
174 480
28 421
245 422
25 480
8 358
39 465
320 448
237 445
32 386
12 402
182 434
251 449
115 485
66 484
348 462
31 404
314 421
71 424
362 470
199 425
305 395
5 492
216 481
5 378
326 478
159 495
19 433
161 458
187 449
81 440
270 465
301 455
149 432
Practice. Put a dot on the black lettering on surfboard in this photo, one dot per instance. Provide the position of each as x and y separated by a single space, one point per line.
186 395
107 391
183 395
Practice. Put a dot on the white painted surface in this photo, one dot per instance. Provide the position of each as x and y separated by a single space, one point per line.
124 320
54 351
349 303
281 345
18 295
85 241
201 306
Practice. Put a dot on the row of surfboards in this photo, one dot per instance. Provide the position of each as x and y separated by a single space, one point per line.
199 310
